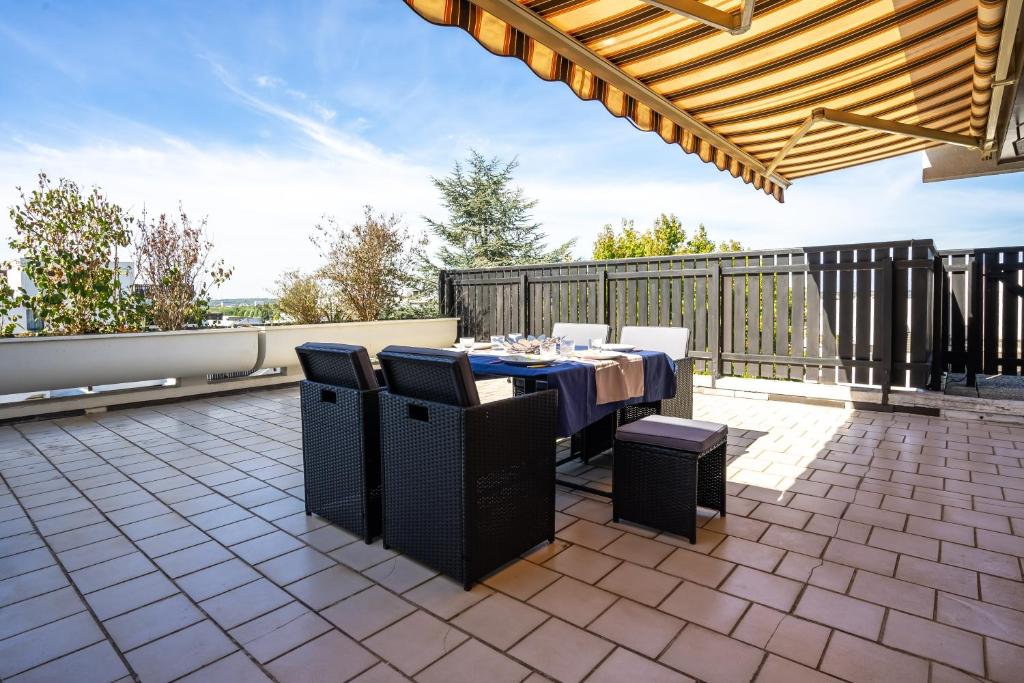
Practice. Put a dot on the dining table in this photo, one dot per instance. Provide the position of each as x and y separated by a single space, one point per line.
590 423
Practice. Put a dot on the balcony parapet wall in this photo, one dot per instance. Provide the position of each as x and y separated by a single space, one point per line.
37 366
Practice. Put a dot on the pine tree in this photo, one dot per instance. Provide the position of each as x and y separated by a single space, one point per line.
489 221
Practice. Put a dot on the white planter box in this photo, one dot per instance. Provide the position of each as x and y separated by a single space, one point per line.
280 342
45 363
35 364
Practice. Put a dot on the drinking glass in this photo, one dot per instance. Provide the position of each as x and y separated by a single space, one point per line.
466 342
596 343
497 341
566 346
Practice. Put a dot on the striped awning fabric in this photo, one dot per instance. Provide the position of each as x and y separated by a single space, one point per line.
735 100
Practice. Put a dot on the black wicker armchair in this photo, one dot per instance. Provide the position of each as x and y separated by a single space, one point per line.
467 487
341 436
675 342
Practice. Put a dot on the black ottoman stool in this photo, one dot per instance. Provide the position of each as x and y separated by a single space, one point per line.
664 467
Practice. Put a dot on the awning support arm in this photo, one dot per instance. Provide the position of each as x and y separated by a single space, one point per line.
1011 23
731 22
845 118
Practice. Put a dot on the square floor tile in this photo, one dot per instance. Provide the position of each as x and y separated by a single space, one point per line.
180 653
415 642
246 602
217 579
712 657
639 583
574 601
474 661
153 621
446 598
280 631
331 657
637 627
562 651
367 612
500 620
328 587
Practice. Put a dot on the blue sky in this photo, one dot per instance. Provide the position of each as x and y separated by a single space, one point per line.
265 116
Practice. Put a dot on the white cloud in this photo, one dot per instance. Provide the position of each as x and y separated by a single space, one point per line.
261 208
268 81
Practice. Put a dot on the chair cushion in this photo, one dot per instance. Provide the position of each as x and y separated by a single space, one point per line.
691 436
341 365
435 375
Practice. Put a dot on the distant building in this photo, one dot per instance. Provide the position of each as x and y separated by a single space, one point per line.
18 278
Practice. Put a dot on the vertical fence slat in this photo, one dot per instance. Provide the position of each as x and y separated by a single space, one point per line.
799 282
900 311
1009 361
829 317
739 318
767 344
813 335
920 323
846 315
753 335
782 296
958 303
700 315
728 317
862 342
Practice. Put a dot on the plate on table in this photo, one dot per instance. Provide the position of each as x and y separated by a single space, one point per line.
618 347
595 354
523 359
477 346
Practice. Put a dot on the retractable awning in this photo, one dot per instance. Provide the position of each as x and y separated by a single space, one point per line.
769 91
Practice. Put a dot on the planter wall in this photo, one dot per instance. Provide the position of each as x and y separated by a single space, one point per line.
280 342
46 363
33 364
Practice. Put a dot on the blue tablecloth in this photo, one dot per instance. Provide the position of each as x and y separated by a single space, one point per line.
577 392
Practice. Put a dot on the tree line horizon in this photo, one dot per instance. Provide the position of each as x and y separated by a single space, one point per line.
377 268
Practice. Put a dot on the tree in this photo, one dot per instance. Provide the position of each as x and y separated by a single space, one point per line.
489 222
172 259
303 298
370 266
9 301
70 245
664 238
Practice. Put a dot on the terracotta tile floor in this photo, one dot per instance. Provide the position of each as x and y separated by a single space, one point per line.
169 542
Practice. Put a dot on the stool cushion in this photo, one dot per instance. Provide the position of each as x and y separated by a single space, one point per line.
676 433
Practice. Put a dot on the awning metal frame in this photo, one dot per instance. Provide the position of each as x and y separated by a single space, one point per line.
845 118
517 15
1011 23
730 22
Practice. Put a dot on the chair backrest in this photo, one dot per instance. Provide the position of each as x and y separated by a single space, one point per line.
674 341
342 365
429 374
579 332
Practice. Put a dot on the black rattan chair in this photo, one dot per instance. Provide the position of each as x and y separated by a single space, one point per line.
467 487
675 342
341 436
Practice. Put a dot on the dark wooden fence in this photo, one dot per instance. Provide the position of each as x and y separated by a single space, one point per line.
852 313
980 311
